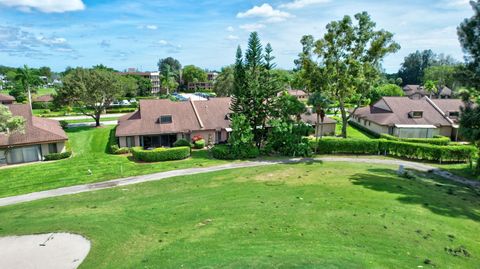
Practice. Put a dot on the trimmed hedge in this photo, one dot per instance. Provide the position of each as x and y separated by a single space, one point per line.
160 154
437 140
414 151
182 143
199 144
58 156
225 152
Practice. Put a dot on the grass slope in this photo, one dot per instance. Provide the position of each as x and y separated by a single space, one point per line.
331 215
89 146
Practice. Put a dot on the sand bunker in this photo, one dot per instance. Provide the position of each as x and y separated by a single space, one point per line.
55 250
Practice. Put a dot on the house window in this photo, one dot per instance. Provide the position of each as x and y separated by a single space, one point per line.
417 114
165 119
218 137
52 148
130 140
453 114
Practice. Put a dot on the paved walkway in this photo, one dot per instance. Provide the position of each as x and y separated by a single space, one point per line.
192 171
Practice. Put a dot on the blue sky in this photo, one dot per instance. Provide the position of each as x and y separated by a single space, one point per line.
123 34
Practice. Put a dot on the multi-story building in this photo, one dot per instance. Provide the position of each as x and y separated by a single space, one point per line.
154 78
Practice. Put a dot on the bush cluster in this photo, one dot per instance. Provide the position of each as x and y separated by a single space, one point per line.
112 146
160 154
409 150
42 105
199 144
182 143
58 156
437 140
121 110
226 152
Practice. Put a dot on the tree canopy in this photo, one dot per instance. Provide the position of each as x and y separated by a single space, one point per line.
224 83
192 73
9 123
93 90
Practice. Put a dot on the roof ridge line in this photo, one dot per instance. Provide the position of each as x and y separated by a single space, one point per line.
430 101
196 114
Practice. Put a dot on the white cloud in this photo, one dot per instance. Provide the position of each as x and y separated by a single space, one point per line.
252 27
232 37
151 27
265 11
46 6
298 4
163 42
455 3
230 29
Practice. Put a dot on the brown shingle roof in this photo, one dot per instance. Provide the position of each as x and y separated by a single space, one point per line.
6 97
311 118
37 130
400 109
44 98
186 116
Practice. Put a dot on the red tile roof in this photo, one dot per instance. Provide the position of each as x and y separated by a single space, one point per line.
6 97
44 98
37 130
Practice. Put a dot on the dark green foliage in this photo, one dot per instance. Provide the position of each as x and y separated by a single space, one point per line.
438 140
199 144
226 152
470 128
182 143
63 124
43 105
413 151
160 154
469 37
384 90
287 138
58 156
121 110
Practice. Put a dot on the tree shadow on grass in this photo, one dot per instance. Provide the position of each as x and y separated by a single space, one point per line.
437 195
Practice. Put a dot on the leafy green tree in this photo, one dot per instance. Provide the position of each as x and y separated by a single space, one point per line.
241 138
173 65
443 75
144 86
414 65
224 83
385 90
28 80
469 37
470 128
191 74
9 123
45 71
17 91
349 60
255 86
431 88
168 79
92 90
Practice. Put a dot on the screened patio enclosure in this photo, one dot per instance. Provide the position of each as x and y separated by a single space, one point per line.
416 131
24 154
157 141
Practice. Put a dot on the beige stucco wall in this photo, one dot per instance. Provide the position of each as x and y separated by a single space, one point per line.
122 141
372 126
328 128
446 131
60 148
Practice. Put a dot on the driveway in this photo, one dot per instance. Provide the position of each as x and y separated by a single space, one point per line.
192 171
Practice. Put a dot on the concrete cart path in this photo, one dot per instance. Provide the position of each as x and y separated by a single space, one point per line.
192 171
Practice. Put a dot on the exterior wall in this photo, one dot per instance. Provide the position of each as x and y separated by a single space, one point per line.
447 131
122 141
328 129
379 129
209 136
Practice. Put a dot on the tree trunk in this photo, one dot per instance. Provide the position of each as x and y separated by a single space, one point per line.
97 120
316 133
344 120
321 130
29 98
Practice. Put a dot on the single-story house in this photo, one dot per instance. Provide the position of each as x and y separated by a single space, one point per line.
300 94
329 124
159 123
6 99
411 118
43 99
418 92
41 137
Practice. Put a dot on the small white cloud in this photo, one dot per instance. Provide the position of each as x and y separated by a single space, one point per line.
265 11
298 4
455 3
230 29
252 27
232 37
151 27
46 6
163 42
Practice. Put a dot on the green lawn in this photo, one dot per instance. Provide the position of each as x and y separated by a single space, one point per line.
92 120
352 132
89 145
45 91
317 215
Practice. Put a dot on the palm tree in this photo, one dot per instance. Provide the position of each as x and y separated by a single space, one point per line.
430 87
320 103
168 79
27 79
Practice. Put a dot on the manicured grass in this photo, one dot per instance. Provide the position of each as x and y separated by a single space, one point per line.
352 132
89 147
92 120
330 215
45 91
460 169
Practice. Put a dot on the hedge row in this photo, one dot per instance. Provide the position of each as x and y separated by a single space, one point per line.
225 152
58 156
160 154
414 151
438 140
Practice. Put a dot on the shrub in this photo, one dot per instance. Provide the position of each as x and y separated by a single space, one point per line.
121 110
226 152
58 156
196 138
436 140
63 124
346 146
112 146
181 143
160 154
199 144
